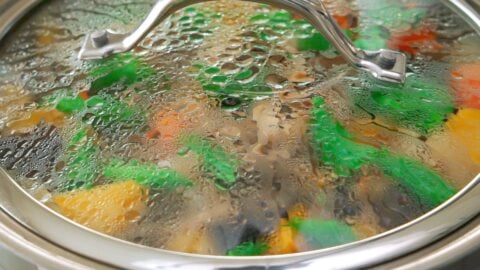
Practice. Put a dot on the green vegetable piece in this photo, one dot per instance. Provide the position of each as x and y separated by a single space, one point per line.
390 13
323 233
283 23
108 113
250 83
281 17
184 18
104 112
200 22
212 87
244 74
259 18
81 167
126 73
124 69
212 70
249 249
373 38
334 144
379 17
233 88
70 105
145 174
419 104
54 98
221 165
428 186
268 36
337 149
191 10
241 86
314 43
219 79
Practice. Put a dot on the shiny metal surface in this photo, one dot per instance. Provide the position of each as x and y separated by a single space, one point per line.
9 260
467 11
386 65
12 11
39 251
402 240
442 254
70 246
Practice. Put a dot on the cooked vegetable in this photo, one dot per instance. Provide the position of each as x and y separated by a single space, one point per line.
416 40
145 174
71 105
282 241
323 233
108 209
379 17
170 124
192 239
104 113
82 165
249 249
466 84
373 38
419 104
207 138
316 42
308 38
337 148
221 165
335 145
465 126
107 113
35 117
235 87
123 69
424 183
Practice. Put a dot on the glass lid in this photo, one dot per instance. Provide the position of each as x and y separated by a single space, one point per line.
236 128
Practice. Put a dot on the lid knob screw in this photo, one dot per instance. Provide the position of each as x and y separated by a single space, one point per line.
99 38
387 60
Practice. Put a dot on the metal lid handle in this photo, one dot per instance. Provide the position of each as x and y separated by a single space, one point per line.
386 65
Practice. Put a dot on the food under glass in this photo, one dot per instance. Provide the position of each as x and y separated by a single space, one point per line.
235 128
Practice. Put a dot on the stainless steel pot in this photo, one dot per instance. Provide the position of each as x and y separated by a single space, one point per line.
45 238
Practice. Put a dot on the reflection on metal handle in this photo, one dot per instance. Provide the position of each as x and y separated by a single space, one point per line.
386 65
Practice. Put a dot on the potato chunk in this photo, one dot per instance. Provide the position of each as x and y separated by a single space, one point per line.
108 209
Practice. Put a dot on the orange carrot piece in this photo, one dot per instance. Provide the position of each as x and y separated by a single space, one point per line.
412 42
465 83
84 95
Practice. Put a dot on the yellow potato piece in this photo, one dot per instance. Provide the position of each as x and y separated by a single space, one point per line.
465 127
192 240
108 209
283 240
45 39
34 118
